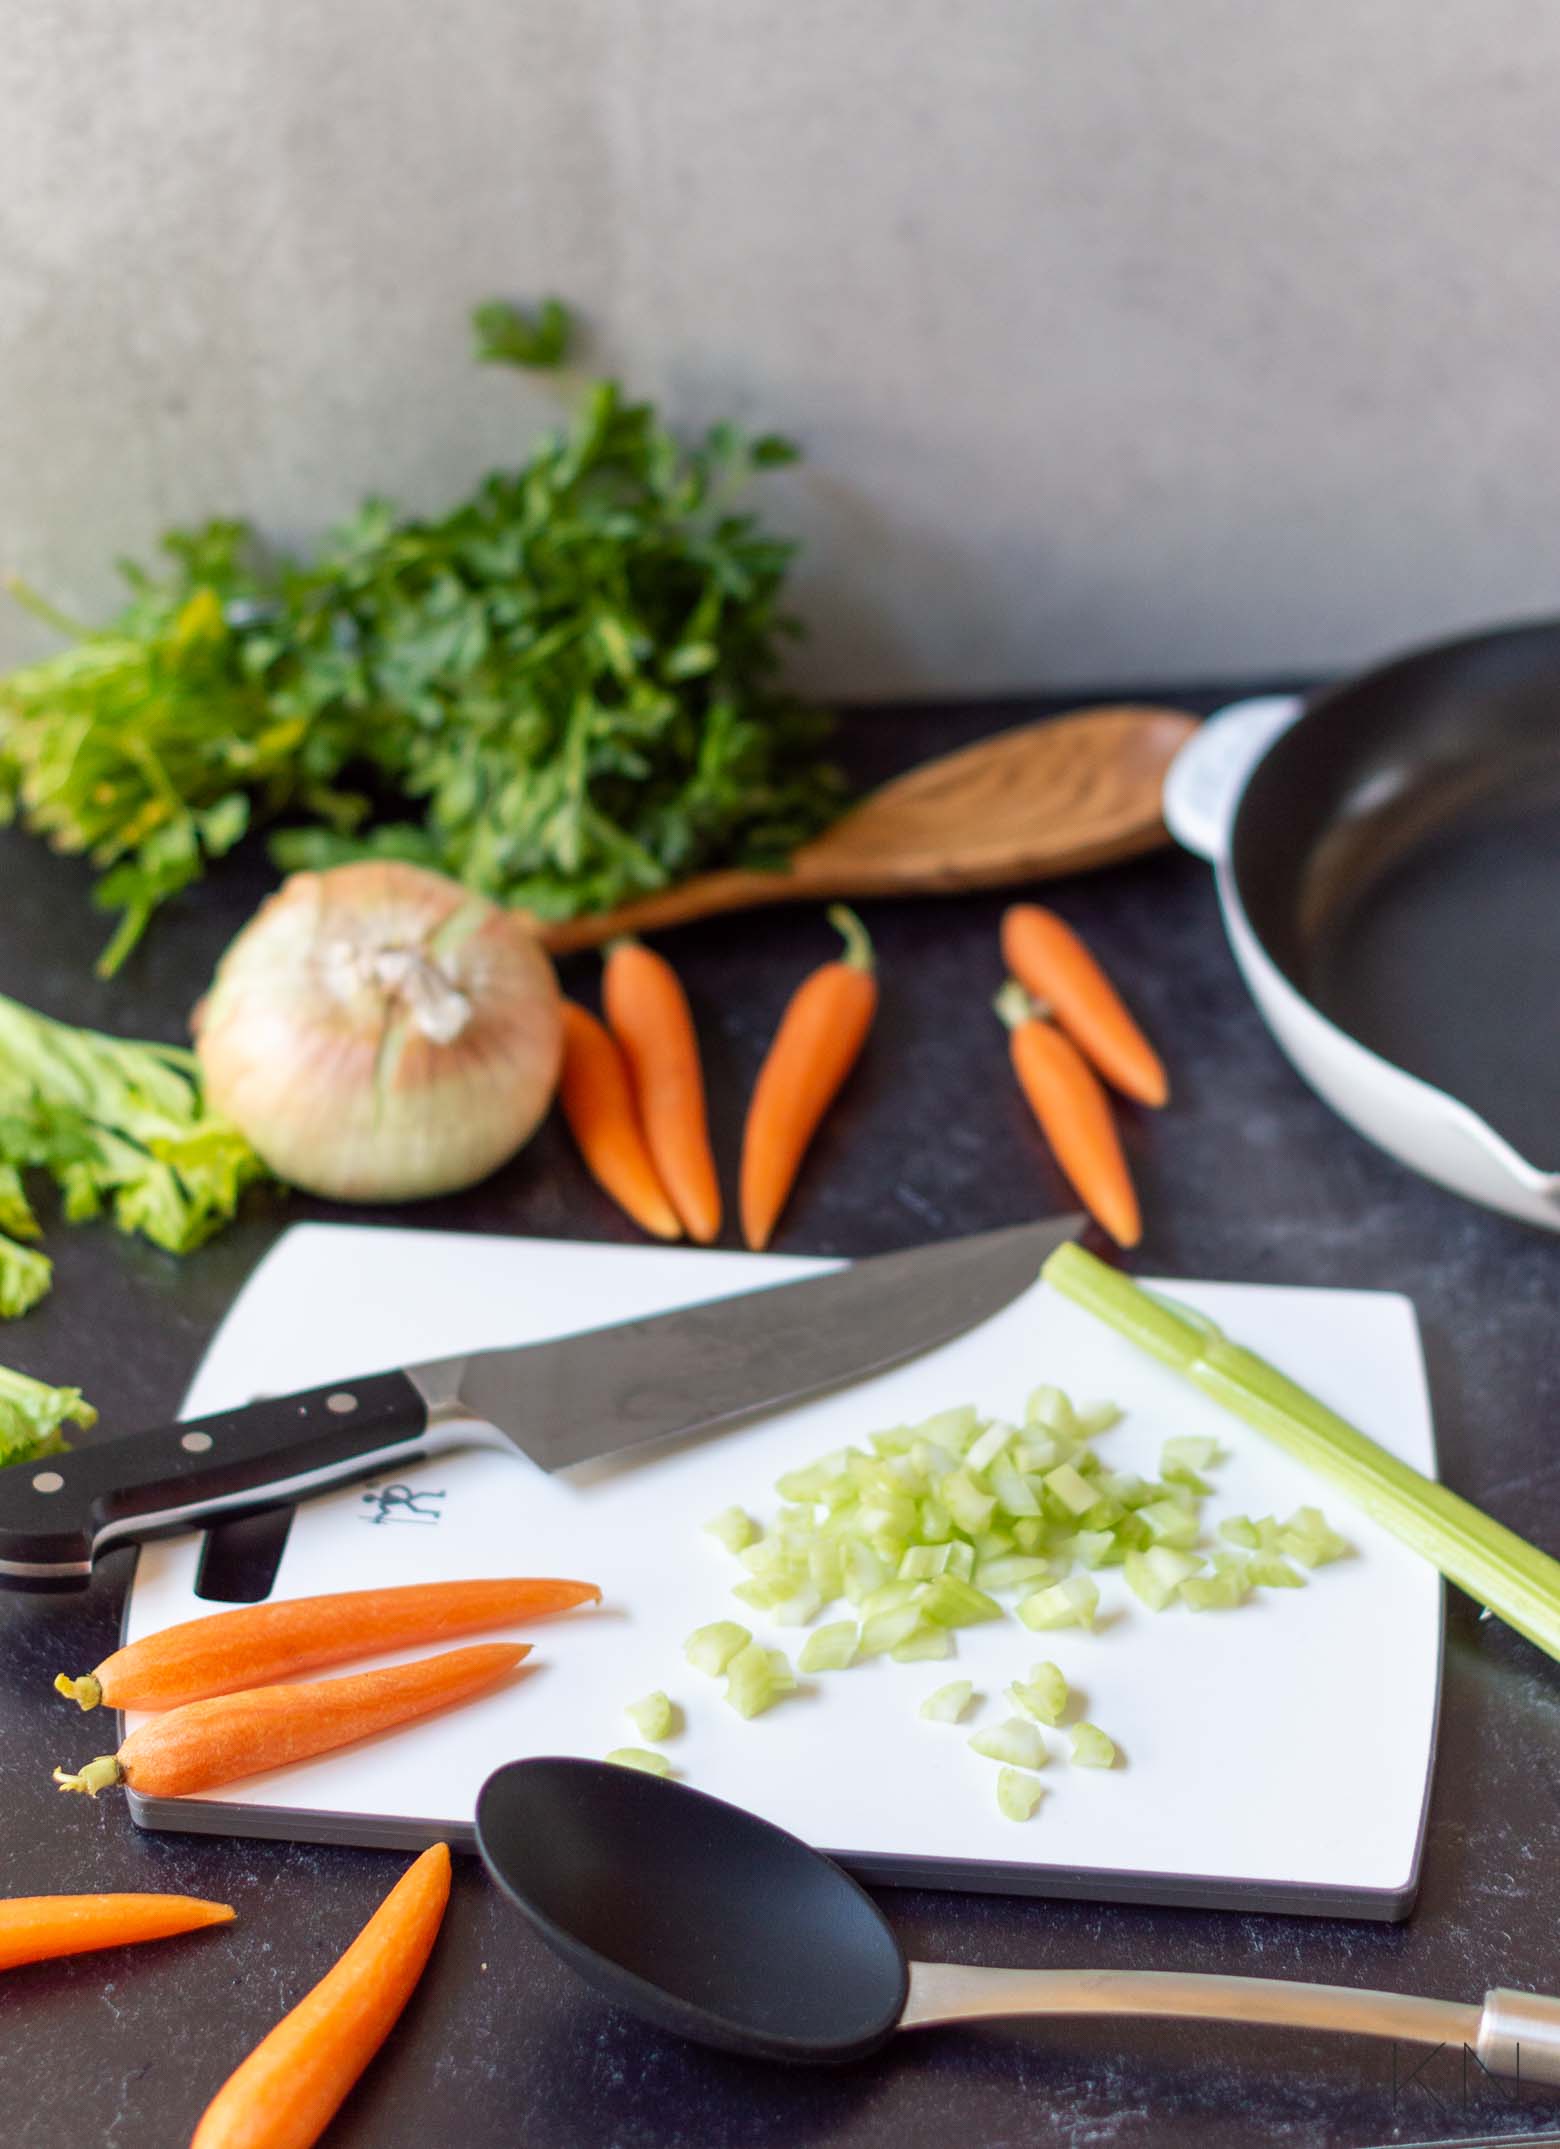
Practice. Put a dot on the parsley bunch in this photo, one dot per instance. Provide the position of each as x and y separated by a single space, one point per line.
572 678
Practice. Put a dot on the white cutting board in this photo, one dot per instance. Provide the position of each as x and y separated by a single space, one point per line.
1277 1756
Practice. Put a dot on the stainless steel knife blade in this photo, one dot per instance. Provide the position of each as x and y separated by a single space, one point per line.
601 1391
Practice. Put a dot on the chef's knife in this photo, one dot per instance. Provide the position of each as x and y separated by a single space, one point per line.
568 1401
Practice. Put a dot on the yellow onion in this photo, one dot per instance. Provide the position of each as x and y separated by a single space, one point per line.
379 1033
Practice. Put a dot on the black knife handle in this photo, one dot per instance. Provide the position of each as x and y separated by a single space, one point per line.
58 1512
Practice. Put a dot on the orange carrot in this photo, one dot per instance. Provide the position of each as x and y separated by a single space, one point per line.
650 1018
1047 957
1074 1114
285 2094
597 1096
260 1642
820 1036
210 1742
36 1928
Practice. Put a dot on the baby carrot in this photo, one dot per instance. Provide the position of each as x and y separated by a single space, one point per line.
650 1018
1074 1114
36 1928
820 1036
260 1642
598 1102
1046 956
285 2094
210 1742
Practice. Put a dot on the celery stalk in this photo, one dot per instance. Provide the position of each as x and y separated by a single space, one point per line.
1498 1569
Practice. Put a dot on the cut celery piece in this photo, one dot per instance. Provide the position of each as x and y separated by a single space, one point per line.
1268 1571
830 1648
1014 1496
798 1610
1015 1570
765 1591
926 1644
890 1597
1213 1592
921 1562
970 1508
735 1530
952 1428
1091 1748
950 1602
1496 1567
864 1571
1094 1418
1049 1408
886 1630
1072 1603
756 1678
1044 1694
1093 1548
993 1544
1017 1742
1239 1530
1170 1522
984 1450
1070 1488
1173 1567
712 1648
1144 1584
642 1758
1188 1451
655 1718
1029 1535
1307 1537
936 1523
946 1704
961 1561
1017 1793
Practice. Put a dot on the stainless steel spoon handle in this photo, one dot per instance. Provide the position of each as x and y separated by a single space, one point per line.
1513 2033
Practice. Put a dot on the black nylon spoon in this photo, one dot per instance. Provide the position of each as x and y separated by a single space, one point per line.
716 1925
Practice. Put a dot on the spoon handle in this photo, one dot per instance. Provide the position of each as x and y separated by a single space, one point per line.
1512 2033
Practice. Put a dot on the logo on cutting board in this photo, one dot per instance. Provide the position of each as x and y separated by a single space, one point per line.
401 1503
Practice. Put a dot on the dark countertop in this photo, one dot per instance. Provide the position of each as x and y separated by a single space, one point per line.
1246 1176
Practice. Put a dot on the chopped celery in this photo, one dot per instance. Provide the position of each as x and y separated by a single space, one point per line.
642 1758
950 1602
984 1450
756 1678
1268 1571
1044 1694
1017 1742
883 1631
1307 1538
829 1648
1213 1592
1072 1603
921 1562
924 1644
992 1545
970 1508
961 1560
1091 1748
1144 1584
1049 1408
1029 1534
1096 1418
1013 1570
891 1596
765 1591
1070 1489
734 1529
712 1648
1188 1451
946 1704
1239 1530
1499 1569
1018 1794
800 1609
1093 1548
952 1427
1014 1496
655 1717
1170 1522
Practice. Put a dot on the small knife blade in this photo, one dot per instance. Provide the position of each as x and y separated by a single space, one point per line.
584 1396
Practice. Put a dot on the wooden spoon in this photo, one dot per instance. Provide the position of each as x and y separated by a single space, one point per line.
1059 796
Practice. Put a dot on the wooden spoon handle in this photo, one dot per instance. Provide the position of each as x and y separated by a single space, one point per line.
1060 796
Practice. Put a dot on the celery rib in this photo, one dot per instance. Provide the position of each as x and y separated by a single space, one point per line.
1498 1569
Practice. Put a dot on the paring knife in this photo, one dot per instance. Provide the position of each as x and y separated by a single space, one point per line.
569 1401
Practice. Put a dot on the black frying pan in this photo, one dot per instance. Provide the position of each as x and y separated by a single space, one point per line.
1390 870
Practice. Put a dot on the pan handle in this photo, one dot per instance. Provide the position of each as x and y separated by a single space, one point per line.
1206 778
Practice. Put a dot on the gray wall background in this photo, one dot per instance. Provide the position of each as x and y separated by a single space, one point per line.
1127 338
